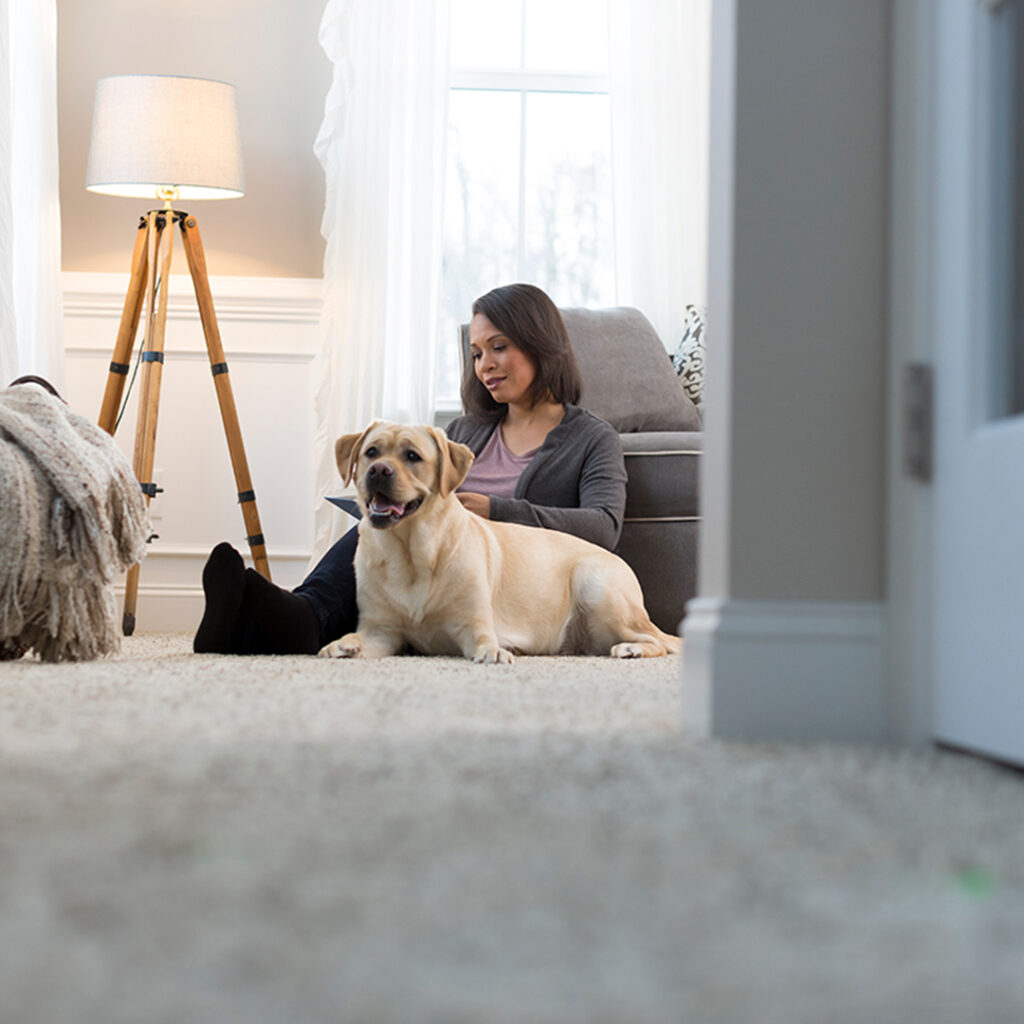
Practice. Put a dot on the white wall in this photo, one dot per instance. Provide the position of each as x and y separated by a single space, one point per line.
268 50
270 331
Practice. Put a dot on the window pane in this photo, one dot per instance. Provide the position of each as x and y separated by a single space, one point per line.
569 242
486 34
481 213
567 35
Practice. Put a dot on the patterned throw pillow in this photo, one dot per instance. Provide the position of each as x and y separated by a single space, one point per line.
688 358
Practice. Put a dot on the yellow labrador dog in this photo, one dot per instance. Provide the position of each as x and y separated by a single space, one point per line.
433 576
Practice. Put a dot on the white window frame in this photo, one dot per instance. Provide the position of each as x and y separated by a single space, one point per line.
521 80
524 81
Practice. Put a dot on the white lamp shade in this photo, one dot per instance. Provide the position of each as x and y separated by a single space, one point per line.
157 131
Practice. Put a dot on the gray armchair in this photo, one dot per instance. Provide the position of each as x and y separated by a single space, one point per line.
628 380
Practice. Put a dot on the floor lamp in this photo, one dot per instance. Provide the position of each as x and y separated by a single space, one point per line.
167 138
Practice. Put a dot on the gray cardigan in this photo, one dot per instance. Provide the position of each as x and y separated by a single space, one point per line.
576 483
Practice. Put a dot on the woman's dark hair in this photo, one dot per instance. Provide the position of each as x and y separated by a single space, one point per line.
528 317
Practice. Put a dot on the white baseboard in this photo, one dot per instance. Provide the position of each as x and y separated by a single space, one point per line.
780 671
164 608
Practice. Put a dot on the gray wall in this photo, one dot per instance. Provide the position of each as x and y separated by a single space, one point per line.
794 473
268 50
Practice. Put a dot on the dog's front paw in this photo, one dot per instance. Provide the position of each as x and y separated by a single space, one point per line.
349 646
492 654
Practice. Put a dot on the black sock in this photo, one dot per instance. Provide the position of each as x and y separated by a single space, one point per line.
223 585
276 621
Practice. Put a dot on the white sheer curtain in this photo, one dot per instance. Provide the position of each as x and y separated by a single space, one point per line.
382 146
30 296
659 69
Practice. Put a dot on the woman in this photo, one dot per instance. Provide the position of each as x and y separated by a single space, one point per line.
540 460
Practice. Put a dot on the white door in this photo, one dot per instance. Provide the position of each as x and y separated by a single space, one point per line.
977 322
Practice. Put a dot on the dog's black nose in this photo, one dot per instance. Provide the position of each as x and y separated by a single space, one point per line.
380 469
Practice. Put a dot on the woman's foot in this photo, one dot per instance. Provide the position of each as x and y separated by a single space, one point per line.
276 621
224 586
247 614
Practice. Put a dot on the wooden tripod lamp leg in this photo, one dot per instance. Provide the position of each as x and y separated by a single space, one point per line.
161 235
225 397
119 363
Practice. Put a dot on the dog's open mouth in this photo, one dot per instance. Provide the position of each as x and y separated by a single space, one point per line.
384 511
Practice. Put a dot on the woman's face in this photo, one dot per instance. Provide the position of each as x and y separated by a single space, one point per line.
500 365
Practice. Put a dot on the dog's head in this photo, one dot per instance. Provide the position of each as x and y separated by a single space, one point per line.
398 468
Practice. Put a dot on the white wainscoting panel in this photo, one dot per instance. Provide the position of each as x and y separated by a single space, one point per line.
270 331
802 671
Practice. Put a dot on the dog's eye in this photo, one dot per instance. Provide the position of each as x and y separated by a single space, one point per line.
371 452
413 456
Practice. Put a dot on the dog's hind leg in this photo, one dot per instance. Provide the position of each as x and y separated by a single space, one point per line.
641 638
638 637
647 645
611 601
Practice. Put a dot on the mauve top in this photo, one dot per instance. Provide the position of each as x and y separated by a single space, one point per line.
496 471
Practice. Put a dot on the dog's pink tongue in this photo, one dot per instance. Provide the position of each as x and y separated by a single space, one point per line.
379 506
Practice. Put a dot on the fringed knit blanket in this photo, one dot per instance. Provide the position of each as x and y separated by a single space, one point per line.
72 517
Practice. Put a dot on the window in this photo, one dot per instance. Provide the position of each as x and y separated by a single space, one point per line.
528 186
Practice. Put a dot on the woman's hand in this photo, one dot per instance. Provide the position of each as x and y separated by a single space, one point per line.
478 503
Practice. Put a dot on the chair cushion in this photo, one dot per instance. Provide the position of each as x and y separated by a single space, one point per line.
662 470
628 378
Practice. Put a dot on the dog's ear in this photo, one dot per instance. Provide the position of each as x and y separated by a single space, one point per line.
346 453
455 461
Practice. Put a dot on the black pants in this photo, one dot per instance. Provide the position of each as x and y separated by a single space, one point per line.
331 589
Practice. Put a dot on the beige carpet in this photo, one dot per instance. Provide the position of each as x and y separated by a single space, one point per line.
203 839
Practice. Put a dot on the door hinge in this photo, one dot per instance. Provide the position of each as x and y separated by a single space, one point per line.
918 421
